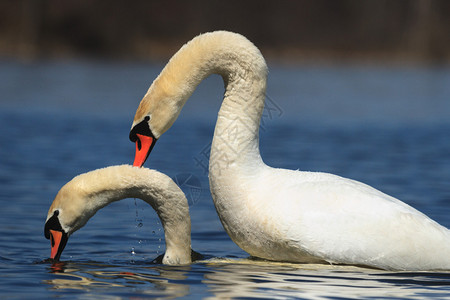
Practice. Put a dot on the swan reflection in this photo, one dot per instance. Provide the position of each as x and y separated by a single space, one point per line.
260 279
155 280
238 278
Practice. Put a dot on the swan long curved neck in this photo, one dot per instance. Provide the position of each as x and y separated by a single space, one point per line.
244 72
104 186
235 158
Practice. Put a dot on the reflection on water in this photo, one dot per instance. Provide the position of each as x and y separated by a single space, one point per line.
314 281
245 278
163 280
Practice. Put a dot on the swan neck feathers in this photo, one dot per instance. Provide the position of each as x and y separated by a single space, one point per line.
228 54
84 195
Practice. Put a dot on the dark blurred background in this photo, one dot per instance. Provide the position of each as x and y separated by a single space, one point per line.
392 30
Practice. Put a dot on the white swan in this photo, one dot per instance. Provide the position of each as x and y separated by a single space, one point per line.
84 195
280 214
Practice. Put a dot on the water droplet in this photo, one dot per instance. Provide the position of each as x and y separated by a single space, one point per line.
132 251
140 225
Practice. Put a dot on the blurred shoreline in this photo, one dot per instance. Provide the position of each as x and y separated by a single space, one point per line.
414 31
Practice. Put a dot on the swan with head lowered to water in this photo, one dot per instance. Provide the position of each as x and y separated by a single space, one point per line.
79 199
280 214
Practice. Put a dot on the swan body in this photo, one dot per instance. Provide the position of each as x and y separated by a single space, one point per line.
84 195
280 214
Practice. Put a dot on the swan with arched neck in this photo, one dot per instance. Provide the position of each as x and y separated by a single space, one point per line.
280 214
79 200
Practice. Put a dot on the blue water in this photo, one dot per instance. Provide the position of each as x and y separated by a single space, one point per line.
387 127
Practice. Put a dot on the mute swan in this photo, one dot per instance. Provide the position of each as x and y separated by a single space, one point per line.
280 214
84 195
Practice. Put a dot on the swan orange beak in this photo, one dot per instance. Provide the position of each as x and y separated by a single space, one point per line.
144 145
58 241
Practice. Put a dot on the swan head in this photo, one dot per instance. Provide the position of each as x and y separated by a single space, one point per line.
156 113
68 213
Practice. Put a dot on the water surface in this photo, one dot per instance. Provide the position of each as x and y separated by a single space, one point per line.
387 127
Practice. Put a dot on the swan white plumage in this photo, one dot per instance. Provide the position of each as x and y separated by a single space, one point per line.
79 199
280 214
